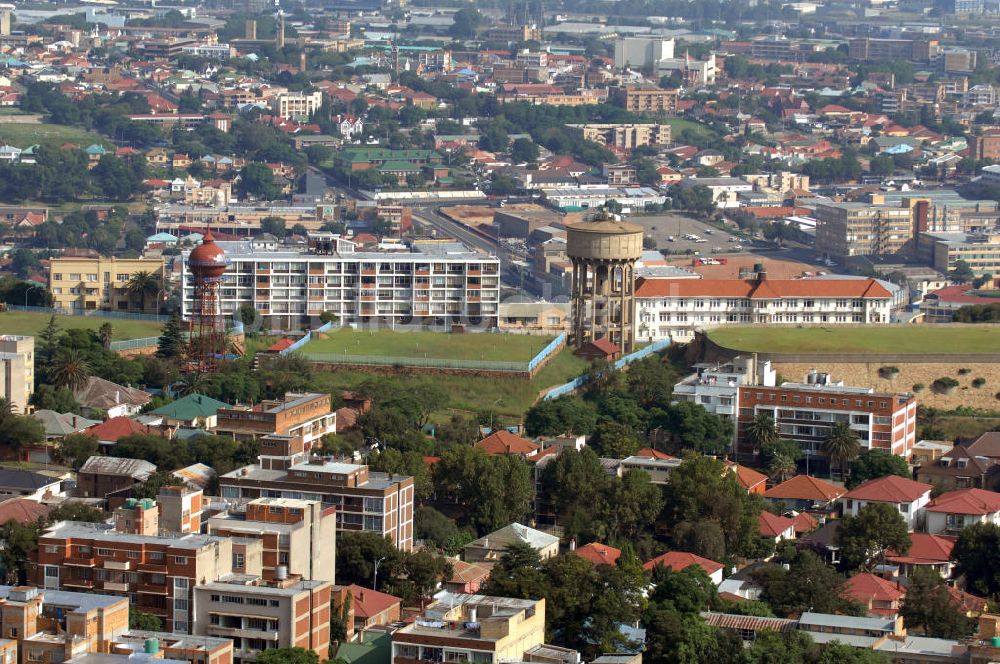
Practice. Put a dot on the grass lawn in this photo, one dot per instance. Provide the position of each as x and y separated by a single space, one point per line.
862 339
679 124
22 135
16 322
955 427
510 397
468 346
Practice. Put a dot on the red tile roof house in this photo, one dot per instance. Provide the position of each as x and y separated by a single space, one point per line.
467 577
952 511
598 554
108 432
679 561
749 478
926 550
880 598
505 442
775 528
804 492
373 608
909 497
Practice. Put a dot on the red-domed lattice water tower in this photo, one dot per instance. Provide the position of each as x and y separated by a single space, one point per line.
207 346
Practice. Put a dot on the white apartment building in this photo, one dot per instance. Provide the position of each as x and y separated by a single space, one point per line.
298 105
717 387
637 52
288 287
725 190
211 51
677 308
17 370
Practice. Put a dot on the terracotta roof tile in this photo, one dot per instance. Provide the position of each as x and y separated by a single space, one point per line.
772 525
805 487
599 554
890 489
505 442
966 501
368 602
681 560
925 549
866 587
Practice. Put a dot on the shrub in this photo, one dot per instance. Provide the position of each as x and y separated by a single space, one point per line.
918 387
978 382
888 372
963 371
944 384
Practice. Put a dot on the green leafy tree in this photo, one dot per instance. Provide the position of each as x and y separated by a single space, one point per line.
694 428
523 150
962 273
700 490
425 571
288 656
977 558
20 431
928 607
76 512
465 23
808 585
841 445
151 487
60 400
557 417
872 464
75 449
613 440
273 225
357 553
864 539
257 179
49 341
172 343
20 542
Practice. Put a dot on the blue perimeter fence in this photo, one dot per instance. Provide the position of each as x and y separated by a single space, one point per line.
577 383
99 313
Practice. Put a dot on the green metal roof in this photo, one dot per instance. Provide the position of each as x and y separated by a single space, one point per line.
190 407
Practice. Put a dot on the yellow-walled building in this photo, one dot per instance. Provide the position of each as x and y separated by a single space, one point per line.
102 283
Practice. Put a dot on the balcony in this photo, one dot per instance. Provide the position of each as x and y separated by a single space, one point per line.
79 562
152 567
151 589
87 584
246 632
113 587
121 565
316 271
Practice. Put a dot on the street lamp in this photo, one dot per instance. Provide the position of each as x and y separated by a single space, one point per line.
375 577
27 290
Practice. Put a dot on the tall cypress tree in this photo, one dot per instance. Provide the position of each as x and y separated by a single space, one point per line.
171 344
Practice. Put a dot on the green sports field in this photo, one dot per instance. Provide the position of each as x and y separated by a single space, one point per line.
436 345
16 322
914 339
24 134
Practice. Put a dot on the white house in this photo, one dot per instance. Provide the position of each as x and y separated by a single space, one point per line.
908 496
724 190
677 308
775 528
952 511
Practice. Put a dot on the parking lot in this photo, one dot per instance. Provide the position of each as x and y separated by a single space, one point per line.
663 227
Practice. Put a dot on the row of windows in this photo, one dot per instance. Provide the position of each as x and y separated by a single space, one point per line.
788 303
859 403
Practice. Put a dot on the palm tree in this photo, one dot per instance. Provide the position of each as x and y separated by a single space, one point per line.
6 409
762 430
141 284
70 370
781 467
106 333
193 383
841 446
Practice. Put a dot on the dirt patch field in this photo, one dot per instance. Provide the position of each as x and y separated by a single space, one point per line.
867 375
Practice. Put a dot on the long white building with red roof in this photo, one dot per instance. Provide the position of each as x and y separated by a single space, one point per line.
676 308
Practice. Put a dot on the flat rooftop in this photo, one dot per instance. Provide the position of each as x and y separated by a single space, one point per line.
64 598
105 532
245 249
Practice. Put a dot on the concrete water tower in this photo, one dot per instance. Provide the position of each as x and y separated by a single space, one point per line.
603 253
